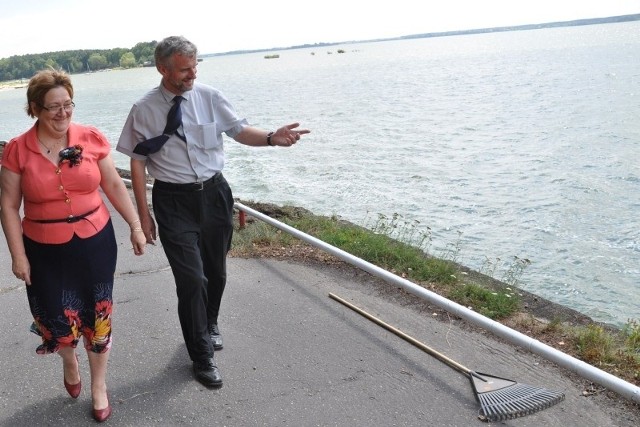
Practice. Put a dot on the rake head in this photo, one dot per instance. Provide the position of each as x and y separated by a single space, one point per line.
502 399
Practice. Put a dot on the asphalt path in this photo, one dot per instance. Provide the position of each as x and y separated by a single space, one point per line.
292 357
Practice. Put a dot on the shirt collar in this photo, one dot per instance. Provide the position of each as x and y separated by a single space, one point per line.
168 95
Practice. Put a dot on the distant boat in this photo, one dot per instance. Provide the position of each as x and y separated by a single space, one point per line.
199 59
272 56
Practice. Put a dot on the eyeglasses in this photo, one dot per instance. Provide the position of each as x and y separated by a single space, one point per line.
56 108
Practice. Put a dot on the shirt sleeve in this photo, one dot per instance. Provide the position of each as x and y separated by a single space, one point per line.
101 143
11 157
129 137
228 120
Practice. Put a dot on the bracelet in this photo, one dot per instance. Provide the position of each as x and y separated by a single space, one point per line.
133 222
269 135
136 229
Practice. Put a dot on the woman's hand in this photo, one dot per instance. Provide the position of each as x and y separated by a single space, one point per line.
22 269
138 240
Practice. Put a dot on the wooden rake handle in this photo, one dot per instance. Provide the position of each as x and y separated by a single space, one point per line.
415 342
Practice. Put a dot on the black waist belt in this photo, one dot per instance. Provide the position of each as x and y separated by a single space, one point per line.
191 186
70 219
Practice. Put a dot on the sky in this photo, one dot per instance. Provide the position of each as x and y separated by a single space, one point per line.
38 26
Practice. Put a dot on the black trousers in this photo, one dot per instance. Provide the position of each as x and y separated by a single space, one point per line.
195 225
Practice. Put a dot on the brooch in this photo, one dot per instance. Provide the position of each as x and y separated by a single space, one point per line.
73 155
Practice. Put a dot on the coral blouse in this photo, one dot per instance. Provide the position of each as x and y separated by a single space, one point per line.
58 191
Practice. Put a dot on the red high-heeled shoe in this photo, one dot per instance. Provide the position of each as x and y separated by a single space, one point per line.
101 415
73 389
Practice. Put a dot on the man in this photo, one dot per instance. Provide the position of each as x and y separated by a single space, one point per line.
192 201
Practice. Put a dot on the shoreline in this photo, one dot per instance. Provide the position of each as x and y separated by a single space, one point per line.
540 308
13 84
536 318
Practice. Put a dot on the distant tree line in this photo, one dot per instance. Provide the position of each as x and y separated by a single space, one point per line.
574 23
77 61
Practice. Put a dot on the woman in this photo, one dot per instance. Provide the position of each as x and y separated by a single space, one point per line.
64 248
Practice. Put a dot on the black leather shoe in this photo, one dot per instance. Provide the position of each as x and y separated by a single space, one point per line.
207 373
216 338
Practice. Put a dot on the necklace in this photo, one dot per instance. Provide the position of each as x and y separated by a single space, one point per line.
64 138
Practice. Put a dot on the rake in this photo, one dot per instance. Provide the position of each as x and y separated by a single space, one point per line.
500 399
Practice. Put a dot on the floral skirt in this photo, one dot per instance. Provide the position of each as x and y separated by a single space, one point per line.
71 291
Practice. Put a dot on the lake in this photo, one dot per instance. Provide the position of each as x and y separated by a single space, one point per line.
501 147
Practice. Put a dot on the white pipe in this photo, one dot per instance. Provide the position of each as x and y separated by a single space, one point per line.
585 370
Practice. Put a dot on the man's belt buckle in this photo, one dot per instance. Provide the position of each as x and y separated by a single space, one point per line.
198 185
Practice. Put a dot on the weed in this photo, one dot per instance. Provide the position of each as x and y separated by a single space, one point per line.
495 305
452 250
555 325
631 333
594 344
513 273
515 270
489 266
405 231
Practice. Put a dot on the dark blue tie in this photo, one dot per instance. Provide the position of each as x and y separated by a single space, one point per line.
174 120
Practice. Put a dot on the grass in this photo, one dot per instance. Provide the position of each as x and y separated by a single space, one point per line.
378 249
399 247
495 305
